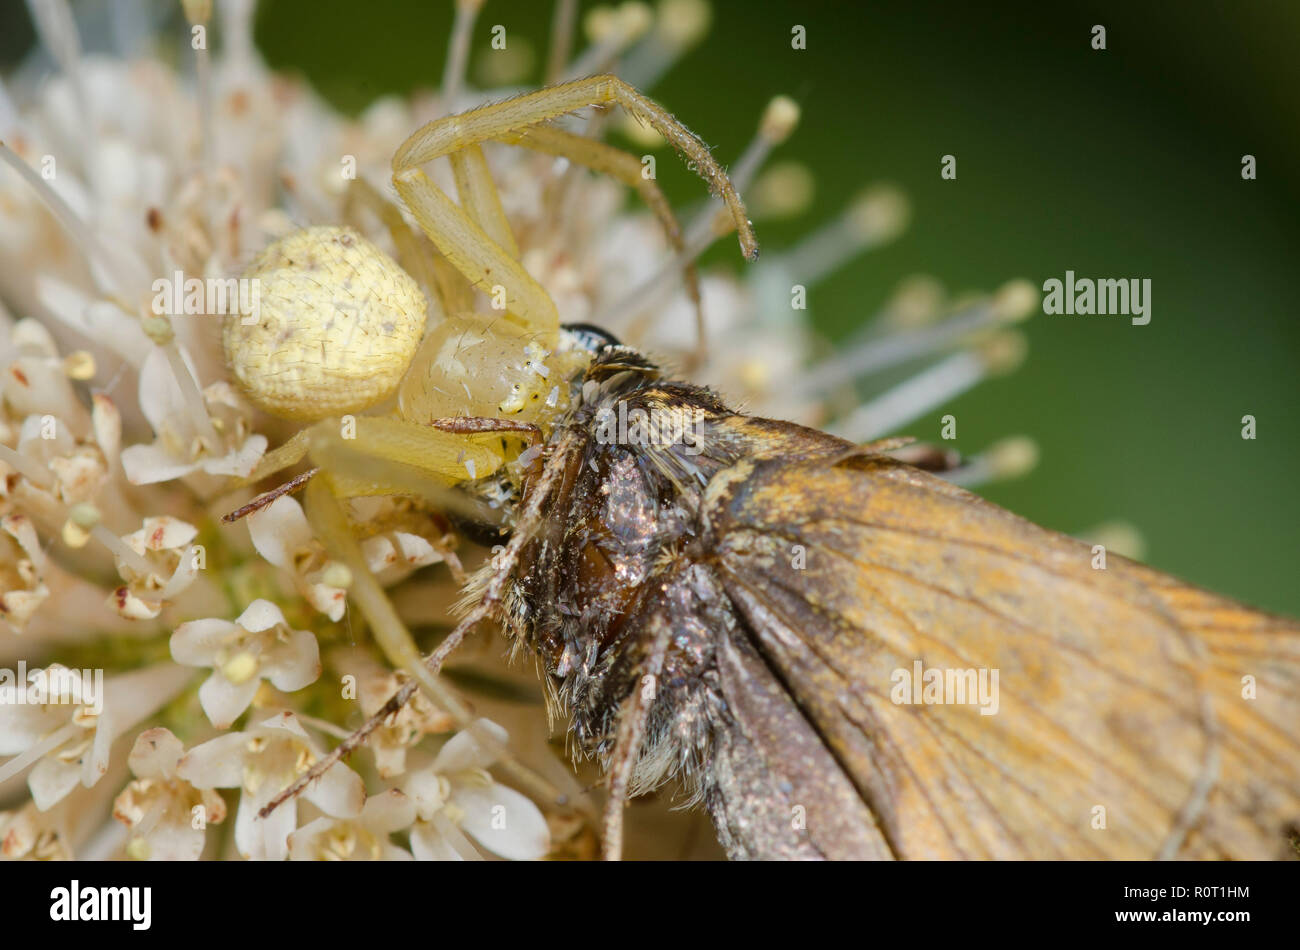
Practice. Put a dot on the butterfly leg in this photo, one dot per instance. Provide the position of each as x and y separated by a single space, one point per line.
633 717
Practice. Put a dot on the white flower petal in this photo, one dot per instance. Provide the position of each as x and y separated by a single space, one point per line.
175 841
161 400
21 529
130 606
331 601
187 570
217 763
23 725
150 463
279 530
130 697
285 722
95 764
504 821
339 792
425 789
388 812
197 642
296 663
106 421
52 779
302 843
428 844
238 462
265 839
155 754
464 751
164 533
393 556
224 701
260 615
248 830
415 550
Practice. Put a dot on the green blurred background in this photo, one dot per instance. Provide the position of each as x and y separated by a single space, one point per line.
1117 163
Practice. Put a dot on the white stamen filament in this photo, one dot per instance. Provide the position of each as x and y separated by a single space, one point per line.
122 550
237 33
112 263
150 818
197 15
915 397
31 754
681 25
459 843
321 725
831 246
702 228
562 22
57 29
879 354
9 121
453 74
698 237
194 404
1012 457
599 57
30 469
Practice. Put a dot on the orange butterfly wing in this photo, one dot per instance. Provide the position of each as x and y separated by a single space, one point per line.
1123 725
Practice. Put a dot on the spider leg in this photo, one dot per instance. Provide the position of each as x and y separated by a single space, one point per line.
390 456
452 133
484 262
328 519
476 240
264 499
623 167
479 197
412 253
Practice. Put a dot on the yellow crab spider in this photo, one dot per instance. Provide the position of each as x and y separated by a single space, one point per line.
339 328
339 322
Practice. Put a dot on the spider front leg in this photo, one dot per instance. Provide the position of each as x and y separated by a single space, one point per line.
477 240
413 253
382 456
329 521
484 262
480 198
623 167
452 133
